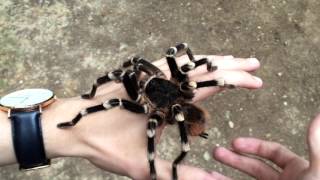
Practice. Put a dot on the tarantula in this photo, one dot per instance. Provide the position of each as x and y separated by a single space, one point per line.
165 101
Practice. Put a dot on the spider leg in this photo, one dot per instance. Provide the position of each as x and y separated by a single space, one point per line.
128 78
154 121
194 64
125 104
115 75
184 47
179 117
189 86
171 61
130 83
204 135
143 65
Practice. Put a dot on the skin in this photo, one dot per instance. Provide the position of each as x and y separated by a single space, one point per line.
290 166
115 140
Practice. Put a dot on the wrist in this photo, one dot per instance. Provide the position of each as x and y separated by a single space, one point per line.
6 145
63 142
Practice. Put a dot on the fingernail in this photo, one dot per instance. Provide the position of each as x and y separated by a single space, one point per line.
258 80
218 152
254 61
240 143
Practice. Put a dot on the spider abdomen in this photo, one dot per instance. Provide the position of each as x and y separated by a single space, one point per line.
162 92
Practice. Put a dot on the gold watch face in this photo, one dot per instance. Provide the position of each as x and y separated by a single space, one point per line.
27 99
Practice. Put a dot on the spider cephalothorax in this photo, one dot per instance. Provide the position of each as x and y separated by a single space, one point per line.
164 100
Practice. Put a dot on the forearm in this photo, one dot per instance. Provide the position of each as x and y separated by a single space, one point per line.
6 146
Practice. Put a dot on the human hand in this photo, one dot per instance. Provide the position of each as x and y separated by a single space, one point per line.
116 140
292 167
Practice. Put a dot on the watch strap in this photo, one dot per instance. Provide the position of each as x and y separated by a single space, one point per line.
28 140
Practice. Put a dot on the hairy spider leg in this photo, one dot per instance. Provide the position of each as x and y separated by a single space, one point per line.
130 83
194 64
204 135
184 47
141 64
125 104
185 147
115 75
130 80
173 66
187 86
153 122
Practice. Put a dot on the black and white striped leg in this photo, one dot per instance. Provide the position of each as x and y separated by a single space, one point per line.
125 104
154 121
173 66
149 68
182 47
204 135
194 64
130 83
111 76
179 117
143 65
187 86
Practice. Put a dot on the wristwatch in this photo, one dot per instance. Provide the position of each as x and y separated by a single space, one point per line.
24 109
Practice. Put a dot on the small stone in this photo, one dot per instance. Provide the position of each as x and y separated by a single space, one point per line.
231 124
285 103
206 156
228 114
280 74
294 131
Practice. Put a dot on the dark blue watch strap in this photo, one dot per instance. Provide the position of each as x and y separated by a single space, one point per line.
28 140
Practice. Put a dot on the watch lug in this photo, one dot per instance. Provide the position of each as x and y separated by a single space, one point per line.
9 113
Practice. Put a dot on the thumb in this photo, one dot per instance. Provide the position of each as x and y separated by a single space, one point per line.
314 143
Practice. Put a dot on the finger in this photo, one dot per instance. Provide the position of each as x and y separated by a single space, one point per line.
222 62
240 79
164 169
228 63
314 143
250 166
219 176
272 151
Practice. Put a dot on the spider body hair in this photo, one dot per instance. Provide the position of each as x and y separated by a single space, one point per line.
164 93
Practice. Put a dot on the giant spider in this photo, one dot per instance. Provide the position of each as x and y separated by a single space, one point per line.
165 101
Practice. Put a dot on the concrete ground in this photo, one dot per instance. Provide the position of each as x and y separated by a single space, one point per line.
65 45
